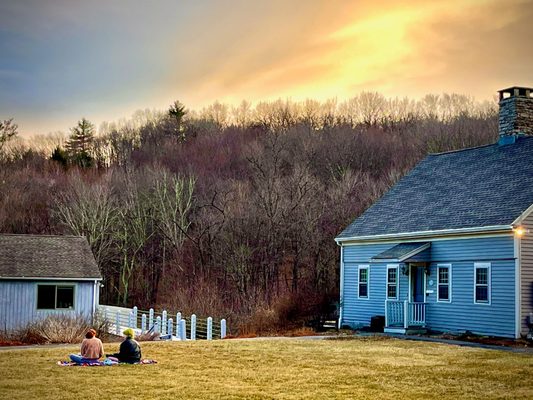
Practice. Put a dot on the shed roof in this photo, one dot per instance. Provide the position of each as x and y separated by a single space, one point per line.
471 188
41 256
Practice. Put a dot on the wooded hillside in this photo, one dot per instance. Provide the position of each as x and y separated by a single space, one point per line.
228 211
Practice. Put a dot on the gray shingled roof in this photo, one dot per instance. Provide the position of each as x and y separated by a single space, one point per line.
43 256
401 250
471 188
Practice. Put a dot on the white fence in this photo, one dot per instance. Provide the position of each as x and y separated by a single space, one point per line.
174 326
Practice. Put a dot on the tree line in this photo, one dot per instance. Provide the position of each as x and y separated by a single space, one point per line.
227 210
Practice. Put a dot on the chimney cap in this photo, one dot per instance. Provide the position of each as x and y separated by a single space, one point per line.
516 91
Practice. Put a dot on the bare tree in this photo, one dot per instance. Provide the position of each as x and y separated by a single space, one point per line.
8 130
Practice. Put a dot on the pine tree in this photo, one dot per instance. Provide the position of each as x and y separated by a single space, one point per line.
79 143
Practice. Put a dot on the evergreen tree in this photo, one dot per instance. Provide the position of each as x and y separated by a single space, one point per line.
80 142
59 155
177 111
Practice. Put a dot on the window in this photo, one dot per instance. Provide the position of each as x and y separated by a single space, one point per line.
444 280
482 283
392 282
363 281
52 297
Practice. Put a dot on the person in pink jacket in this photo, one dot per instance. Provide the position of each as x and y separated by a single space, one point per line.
92 349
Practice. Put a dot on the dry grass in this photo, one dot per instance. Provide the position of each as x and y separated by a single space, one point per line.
277 369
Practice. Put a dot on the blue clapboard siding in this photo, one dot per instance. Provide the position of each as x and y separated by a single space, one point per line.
462 313
18 302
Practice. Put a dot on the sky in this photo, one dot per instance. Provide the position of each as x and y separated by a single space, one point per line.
61 60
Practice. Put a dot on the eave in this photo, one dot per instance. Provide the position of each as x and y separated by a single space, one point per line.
427 234
46 278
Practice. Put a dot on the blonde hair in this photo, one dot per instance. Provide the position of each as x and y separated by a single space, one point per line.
128 332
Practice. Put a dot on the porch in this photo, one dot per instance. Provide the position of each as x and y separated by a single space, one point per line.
405 316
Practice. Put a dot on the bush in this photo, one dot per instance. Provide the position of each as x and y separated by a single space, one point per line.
59 328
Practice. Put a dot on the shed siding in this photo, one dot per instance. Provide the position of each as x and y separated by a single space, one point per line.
18 302
526 273
462 313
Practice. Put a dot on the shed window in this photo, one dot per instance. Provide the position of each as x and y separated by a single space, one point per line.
363 282
52 297
443 283
392 282
482 283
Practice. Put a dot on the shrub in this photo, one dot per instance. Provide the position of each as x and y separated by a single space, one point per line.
59 328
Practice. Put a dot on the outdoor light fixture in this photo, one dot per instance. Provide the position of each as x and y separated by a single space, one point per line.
427 270
405 269
520 231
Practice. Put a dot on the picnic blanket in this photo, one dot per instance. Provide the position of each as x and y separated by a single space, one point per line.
105 363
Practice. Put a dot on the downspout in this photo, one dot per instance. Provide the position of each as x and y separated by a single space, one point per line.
518 282
95 286
341 291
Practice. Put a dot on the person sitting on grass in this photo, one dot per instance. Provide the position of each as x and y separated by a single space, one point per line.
130 350
92 349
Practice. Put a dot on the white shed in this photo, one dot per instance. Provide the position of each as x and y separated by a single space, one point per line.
42 275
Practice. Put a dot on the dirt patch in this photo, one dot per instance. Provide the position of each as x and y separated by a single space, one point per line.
490 340
4 342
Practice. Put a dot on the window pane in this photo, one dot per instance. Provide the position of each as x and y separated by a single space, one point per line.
482 293
443 275
391 291
481 276
46 297
363 290
392 275
363 275
65 297
444 292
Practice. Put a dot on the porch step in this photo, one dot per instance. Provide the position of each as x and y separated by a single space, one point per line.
412 330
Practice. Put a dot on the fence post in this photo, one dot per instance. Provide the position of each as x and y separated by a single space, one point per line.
169 327
193 327
130 320
209 328
158 325
135 311
164 322
151 318
183 329
222 328
405 314
178 325
143 323
117 324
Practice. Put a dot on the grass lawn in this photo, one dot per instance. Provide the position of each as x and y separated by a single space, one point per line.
374 368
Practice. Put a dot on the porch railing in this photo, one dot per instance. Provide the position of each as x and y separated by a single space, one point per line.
404 314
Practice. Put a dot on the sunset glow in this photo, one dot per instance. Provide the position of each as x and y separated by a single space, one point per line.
62 60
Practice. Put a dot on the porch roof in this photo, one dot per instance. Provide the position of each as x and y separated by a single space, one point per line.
402 252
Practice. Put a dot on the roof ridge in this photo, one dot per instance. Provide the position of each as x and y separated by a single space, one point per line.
461 150
39 235
473 148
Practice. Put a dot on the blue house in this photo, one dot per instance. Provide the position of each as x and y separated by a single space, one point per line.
46 275
450 247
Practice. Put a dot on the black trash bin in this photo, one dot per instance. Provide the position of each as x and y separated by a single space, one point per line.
377 323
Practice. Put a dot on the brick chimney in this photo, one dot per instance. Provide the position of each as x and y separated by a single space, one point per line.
516 113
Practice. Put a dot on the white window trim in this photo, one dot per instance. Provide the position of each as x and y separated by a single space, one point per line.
395 267
486 265
360 267
449 266
56 284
